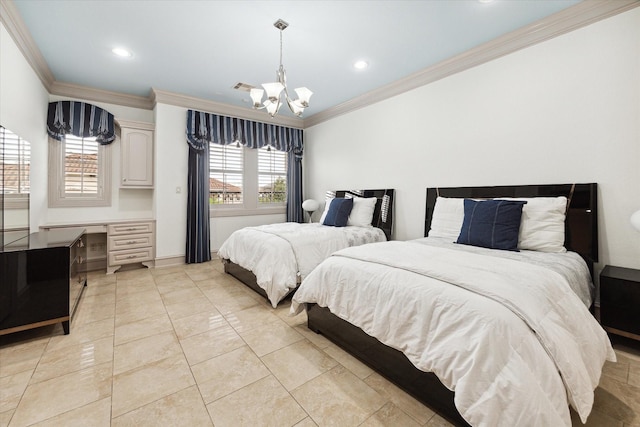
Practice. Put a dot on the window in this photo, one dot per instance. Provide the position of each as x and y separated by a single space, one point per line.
80 172
15 159
225 174
245 181
272 176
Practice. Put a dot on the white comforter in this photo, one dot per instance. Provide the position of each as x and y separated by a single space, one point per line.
279 254
511 338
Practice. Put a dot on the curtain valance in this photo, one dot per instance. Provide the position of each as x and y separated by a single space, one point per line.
203 128
80 119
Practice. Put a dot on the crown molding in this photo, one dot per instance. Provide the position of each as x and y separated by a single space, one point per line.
100 95
178 100
14 24
572 18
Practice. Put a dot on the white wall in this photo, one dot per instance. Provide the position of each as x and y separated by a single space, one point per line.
23 110
563 111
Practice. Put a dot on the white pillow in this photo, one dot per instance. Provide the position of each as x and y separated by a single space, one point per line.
362 213
542 223
446 221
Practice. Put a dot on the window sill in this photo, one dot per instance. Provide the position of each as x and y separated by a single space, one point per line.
229 212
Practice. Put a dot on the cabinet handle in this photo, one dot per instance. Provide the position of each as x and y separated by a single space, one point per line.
131 229
131 242
131 256
80 260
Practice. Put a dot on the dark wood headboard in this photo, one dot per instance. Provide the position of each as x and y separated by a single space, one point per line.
581 224
383 213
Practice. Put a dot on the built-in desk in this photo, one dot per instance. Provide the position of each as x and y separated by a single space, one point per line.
127 242
41 279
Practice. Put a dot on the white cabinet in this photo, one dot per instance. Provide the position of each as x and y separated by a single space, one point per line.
130 242
136 154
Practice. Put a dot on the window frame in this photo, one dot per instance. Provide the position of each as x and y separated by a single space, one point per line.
19 200
250 192
58 197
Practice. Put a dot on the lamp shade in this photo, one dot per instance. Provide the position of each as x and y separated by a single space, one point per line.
310 205
635 220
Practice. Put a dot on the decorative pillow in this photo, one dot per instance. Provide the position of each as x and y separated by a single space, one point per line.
446 221
338 213
327 203
542 225
362 213
491 224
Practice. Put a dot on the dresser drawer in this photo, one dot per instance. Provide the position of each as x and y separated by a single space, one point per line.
133 241
130 256
130 228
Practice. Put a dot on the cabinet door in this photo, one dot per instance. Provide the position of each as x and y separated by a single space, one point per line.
136 158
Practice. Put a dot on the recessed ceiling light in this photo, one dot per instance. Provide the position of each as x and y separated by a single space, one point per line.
123 53
360 65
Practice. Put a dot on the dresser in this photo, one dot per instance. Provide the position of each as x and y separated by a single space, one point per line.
41 279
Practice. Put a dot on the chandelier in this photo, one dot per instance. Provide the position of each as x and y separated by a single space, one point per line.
275 90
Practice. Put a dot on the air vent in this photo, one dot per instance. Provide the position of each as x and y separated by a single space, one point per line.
245 87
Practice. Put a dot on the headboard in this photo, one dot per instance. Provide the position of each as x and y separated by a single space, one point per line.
581 224
383 213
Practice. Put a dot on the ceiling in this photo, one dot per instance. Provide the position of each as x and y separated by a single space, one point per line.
202 48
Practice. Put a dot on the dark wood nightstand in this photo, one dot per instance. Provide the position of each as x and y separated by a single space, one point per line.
620 301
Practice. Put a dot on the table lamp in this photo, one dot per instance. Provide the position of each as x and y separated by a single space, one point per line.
310 206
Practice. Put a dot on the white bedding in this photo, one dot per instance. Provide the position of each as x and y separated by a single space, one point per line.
509 335
279 254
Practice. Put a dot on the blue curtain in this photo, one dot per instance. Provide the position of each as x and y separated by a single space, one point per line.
229 130
80 119
198 247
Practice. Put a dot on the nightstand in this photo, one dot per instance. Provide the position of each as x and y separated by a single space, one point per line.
620 301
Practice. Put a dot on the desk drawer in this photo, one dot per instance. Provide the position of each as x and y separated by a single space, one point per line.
133 241
130 256
130 228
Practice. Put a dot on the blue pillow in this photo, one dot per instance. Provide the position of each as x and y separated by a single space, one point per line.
491 224
338 213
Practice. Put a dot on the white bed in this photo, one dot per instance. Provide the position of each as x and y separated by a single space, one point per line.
279 256
509 332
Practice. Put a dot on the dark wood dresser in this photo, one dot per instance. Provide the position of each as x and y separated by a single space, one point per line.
620 301
41 279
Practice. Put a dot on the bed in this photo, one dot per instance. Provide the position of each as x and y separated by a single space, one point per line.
273 259
493 337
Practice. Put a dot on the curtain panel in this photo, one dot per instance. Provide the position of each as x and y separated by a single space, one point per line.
203 128
80 119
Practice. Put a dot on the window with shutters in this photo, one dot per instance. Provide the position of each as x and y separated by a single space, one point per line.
244 181
272 176
80 172
15 160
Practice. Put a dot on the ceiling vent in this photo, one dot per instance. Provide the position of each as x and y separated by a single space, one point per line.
245 87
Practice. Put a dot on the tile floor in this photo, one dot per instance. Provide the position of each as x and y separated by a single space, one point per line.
191 346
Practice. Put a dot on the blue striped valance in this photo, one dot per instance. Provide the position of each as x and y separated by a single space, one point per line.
80 119
203 128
